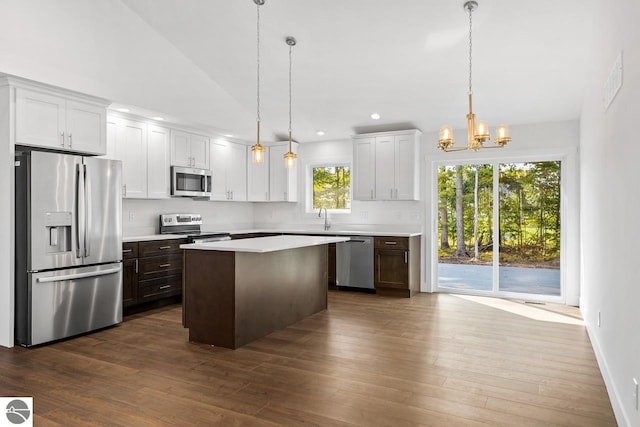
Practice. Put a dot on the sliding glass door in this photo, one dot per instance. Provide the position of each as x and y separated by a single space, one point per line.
499 229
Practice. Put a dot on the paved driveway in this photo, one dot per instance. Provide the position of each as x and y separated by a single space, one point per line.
540 281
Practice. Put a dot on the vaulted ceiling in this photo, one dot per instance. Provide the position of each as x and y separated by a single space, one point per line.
404 59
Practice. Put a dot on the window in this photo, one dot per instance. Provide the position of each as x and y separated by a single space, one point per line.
331 187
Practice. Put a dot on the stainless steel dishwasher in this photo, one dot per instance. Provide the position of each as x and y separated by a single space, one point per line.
354 263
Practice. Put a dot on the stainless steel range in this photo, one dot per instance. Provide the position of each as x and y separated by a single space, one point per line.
190 225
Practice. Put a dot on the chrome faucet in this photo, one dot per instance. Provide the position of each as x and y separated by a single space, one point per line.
327 225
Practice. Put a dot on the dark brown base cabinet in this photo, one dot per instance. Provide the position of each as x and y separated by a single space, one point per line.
152 271
397 266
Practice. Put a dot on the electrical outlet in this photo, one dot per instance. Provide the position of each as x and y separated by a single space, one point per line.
364 214
635 392
599 319
132 216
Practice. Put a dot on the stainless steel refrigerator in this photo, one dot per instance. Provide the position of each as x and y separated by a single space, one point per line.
68 245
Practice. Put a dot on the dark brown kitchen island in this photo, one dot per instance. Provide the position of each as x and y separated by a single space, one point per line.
237 291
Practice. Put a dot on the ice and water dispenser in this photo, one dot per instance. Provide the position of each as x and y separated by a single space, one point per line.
58 229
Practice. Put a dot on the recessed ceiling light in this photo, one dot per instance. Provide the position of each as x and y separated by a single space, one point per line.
375 116
320 133
158 118
228 135
122 110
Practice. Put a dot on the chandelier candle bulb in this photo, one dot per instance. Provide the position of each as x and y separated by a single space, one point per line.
446 133
482 130
502 135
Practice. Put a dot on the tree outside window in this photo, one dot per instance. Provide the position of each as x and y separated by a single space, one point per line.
332 187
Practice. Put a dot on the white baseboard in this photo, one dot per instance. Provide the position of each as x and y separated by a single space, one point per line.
614 396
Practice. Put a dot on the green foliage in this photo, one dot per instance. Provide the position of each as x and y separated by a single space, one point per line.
332 187
529 208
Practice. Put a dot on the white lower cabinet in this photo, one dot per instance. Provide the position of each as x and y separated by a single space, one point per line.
229 171
386 166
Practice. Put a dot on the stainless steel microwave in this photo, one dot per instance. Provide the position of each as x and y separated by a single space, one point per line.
189 182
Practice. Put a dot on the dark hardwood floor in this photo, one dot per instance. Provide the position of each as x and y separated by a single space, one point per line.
433 360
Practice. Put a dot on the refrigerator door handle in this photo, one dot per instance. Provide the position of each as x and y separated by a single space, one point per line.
87 213
78 210
78 275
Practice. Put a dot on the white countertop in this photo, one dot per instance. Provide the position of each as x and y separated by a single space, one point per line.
305 231
264 244
149 237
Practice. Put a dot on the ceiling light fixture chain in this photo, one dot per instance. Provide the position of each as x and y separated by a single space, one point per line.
477 132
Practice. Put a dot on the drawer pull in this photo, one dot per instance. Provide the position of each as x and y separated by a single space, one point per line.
164 287
390 243
164 247
164 265
126 251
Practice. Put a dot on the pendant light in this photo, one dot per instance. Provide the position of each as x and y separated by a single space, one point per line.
477 133
290 156
258 150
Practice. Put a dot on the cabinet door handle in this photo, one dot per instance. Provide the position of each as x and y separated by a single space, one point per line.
70 139
231 194
372 194
164 265
396 194
266 195
126 251
136 265
62 139
164 287
406 257
390 243
124 190
285 196
164 247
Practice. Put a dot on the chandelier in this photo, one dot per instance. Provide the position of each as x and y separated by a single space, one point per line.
290 156
258 150
477 133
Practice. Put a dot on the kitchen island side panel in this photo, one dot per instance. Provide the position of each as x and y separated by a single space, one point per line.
209 297
233 298
277 289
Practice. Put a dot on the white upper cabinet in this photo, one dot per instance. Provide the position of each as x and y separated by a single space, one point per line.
144 151
189 150
229 171
60 122
364 158
131 148
282 181
258 177
386 166
158 162
237 172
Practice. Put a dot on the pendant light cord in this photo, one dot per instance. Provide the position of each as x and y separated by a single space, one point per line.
290 49
470 49
258 118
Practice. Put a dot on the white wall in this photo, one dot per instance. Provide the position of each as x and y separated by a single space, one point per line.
406 215
141 217
533 142
610 206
